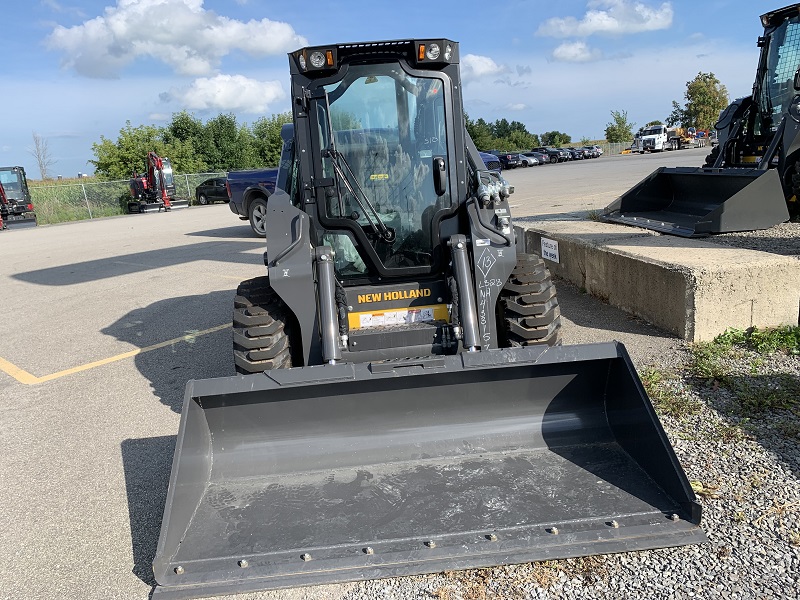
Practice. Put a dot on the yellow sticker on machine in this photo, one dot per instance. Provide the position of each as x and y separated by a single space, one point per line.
399 316
379 177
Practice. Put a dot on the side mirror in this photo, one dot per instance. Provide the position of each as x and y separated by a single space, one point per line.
797 80
439 175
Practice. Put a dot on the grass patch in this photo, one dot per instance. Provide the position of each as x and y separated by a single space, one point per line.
767 341
663 392
593 215
759 394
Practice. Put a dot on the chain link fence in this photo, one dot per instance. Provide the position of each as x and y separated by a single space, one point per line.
77 201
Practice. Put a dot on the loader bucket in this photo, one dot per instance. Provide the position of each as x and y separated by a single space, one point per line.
696 202
343 472
18 222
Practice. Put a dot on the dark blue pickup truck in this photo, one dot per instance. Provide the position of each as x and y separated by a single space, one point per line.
248 192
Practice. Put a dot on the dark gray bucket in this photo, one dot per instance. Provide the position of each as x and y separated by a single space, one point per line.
335 473
696 202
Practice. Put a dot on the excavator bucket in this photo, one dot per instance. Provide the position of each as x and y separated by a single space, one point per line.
342 472
698 201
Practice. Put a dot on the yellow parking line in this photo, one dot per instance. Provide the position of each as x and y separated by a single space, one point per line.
24 377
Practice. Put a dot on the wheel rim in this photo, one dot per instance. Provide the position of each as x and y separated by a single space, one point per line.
203 199
259 218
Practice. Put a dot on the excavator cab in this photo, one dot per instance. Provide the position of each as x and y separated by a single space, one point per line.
751 179
403 404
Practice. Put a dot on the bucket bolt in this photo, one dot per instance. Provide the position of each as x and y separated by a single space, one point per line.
305 556
553 530
491 537
613 524
179 570
674 517
243 563
369 550
430 544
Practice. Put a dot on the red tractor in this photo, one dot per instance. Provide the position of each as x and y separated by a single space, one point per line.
155 189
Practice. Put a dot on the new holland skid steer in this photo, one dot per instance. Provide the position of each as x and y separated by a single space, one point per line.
404 404
751 180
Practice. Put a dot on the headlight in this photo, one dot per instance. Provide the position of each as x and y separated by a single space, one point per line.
302 61
433 51
317 59
448 52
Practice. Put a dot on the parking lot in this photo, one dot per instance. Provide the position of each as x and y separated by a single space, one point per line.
106 320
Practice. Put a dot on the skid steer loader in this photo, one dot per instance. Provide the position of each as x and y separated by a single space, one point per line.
404 404
751 179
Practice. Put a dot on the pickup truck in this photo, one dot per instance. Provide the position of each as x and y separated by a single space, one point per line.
248 192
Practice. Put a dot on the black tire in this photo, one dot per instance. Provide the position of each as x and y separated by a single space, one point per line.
528 311
257 213
202 199
711 158
261 328
553 159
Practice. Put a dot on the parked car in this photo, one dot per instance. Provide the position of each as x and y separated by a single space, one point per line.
540 156
509 160
593 153
583 152
574 154
528 161
212 190
598 148
491 161
556 154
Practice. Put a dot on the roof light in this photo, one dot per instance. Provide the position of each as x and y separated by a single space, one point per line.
317 59
433 52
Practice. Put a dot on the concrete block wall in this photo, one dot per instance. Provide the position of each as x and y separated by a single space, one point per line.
688 287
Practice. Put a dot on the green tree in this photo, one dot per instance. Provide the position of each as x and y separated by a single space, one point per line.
651 123
620 130
677 116
267 138
555 138
128 155
480 132
705 97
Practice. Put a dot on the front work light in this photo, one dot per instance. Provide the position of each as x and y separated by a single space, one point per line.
317 59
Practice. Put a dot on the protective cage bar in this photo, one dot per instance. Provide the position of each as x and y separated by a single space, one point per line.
343 472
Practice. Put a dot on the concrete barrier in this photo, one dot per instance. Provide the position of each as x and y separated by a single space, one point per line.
689 287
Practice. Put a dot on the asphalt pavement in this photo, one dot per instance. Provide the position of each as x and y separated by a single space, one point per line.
104 323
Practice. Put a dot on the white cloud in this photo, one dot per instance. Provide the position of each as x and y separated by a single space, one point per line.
474 67
576 52
517 106
180 33
610 17
227 93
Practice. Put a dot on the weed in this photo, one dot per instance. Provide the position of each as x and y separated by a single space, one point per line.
794 538
756 395
705 490
660 386
593 215
789 429
779 509
728 434
707 360
764 341
739 516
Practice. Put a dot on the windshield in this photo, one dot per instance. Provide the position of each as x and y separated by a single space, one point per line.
783 57
11 184
387 129
653 131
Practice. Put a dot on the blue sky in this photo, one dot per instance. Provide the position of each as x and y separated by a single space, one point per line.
76 70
